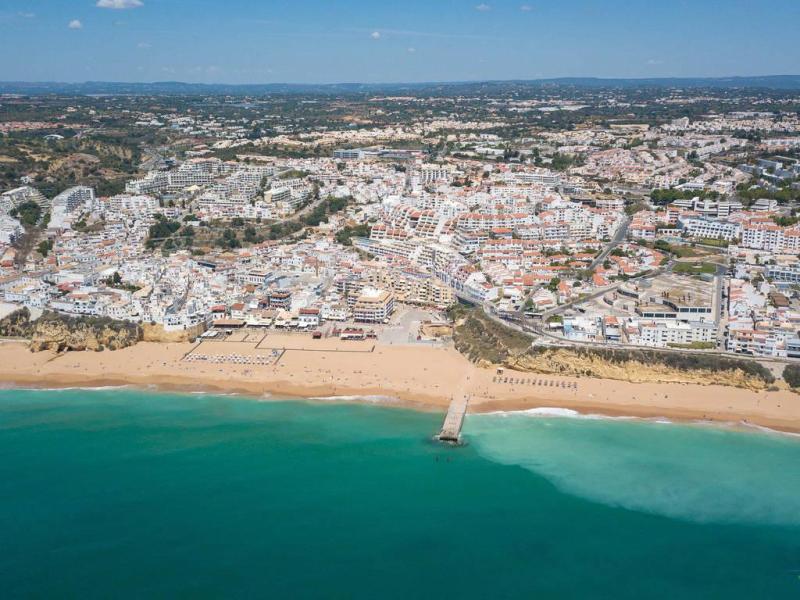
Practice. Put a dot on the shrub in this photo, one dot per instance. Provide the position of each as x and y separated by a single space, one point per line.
676 360
791 375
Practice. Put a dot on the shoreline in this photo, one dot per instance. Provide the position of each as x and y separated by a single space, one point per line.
576 411
579 408
407 376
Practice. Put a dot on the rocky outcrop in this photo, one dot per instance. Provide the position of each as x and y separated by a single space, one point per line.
157 333
571 363
60 333
488 343
17 324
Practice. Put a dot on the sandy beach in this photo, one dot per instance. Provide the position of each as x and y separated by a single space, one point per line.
415 375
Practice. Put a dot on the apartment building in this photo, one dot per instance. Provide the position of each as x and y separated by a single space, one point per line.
661 334
709 229
373 306
762 235
74 198
139 203
154 182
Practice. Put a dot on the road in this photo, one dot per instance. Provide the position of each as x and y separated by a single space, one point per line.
604 290
719 308
540 336
619 236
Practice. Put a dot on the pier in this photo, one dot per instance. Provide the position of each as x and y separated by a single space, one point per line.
454 420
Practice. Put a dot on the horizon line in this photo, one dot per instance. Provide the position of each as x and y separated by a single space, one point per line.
419 82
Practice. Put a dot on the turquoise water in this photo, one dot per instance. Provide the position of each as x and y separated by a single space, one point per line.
122 494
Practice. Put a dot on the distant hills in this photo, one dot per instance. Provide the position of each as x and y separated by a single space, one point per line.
766 82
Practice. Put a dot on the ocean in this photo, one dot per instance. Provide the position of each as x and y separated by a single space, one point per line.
117 493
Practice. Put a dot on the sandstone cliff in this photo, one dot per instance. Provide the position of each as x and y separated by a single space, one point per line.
60 333
569 362
156 333
488 343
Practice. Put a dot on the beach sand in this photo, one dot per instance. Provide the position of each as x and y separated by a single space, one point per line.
414 375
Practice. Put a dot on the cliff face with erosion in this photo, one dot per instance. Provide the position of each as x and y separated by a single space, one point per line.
156 333
60 333
486 343
566 362
59 336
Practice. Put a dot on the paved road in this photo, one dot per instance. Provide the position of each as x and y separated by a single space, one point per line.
602 291
619 236
720 312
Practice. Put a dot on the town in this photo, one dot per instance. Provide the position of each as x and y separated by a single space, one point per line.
581 217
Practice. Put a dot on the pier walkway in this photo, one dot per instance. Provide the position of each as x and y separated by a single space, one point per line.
454 419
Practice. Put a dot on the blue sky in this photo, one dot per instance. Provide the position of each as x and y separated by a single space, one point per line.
315 41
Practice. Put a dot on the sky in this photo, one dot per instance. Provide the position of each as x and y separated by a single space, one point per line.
373 41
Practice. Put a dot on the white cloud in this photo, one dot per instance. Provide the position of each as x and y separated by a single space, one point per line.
144 45
119 4
412 50
526 8
426 34
75 24
26 15
375 35
655 61
483 7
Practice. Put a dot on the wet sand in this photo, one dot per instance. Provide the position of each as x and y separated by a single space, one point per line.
415 375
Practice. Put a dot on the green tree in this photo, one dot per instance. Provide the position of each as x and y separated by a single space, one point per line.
28 213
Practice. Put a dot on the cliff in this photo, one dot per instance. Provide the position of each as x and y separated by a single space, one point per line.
156 333
60 333
486 342
564 361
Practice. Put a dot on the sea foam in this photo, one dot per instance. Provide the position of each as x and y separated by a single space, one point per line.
702 474
369 399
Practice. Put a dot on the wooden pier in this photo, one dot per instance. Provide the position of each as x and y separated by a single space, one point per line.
454 420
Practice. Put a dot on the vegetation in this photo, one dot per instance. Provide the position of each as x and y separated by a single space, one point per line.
717 243
17 324
783 195
45 247
480 338
635 207
699 268
229 239
666 196
293 174
161 231
323 210
101 160
28 213
60 332
115 281
786 221
562 162
695 346
679 250
672 359
345 235
791 375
